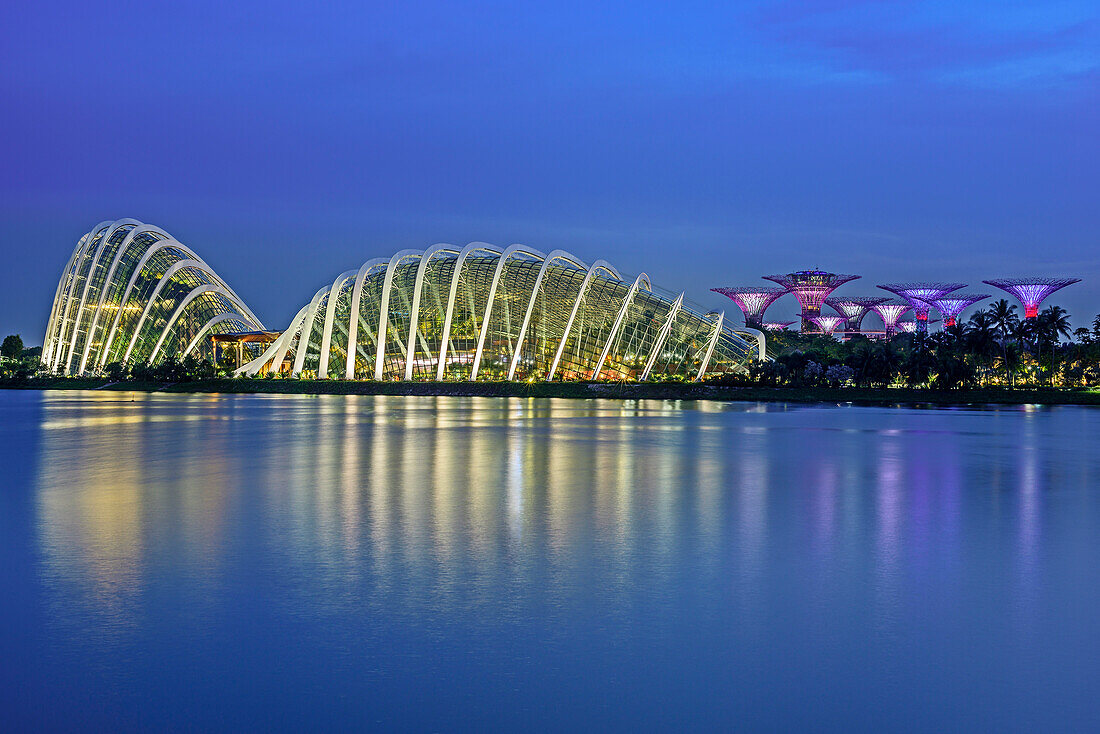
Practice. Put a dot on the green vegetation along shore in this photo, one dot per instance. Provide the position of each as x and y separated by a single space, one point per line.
620 391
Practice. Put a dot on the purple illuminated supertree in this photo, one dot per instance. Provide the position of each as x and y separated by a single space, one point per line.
777 325
854 308
828 324
920 295
910 327
954 304
753 301
1031 292
891 312
811 288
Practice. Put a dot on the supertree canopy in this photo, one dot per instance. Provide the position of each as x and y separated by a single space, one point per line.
891 312
777 325
811 288
920 296
828 324
854 308
753 301
954 304
1031 292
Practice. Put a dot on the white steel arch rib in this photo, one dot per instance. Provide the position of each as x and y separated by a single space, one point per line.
207 326
109 280
73 276
146 256
414 315
710 346
330 310
619 320
550 258
103 242
508 252
195 293
598 265
48 340
353 322
445 341
662 337
163 281
307 330
69 279
761 342
384 308
253 367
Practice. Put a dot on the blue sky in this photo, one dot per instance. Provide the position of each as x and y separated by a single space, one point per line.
288 143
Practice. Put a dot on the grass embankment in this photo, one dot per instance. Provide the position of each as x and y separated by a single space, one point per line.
624 391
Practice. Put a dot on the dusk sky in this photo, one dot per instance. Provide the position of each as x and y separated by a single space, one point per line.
286 144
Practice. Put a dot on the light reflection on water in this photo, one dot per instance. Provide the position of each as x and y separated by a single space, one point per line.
523 562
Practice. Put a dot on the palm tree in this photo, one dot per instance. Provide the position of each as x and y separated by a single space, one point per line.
1003 316
980 337
1052 323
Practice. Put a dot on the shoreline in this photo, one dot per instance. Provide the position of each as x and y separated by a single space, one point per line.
890 396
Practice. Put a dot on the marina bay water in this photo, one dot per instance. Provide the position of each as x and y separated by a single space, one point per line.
207 562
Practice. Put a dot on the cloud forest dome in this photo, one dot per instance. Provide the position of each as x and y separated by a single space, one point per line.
482 313
132 293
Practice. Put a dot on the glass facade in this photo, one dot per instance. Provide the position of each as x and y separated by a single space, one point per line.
480 313
131 293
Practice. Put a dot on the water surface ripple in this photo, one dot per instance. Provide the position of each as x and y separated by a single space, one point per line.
347 562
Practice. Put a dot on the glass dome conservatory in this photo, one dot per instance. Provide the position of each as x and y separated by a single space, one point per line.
482 313
131 293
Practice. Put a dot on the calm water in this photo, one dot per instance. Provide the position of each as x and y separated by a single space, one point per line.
295 562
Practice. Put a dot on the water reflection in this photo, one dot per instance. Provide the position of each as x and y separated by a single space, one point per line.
597 519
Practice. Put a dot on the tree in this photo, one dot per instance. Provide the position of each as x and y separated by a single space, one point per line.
12 348
1052 324
1004 318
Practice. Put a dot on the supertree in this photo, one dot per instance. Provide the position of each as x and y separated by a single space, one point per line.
854 308
954 304
891 312
811 288
920 295
828 324
1031 292
777 325
753 301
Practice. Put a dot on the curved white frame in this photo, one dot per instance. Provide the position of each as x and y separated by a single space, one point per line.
306 330
164 280
330 311
710 346
64 312
188 299
356 301
504 256
49 340
109 280
414 313
132 223
619 320
153 249
598 265
384 308
662 336
551 257
445 341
